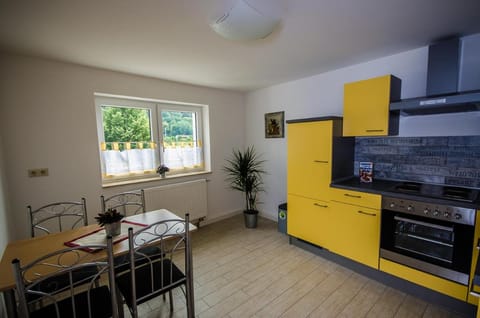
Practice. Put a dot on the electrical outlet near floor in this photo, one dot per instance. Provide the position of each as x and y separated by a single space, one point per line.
39 172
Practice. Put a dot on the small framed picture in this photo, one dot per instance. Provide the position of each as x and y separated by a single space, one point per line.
366 172
274 125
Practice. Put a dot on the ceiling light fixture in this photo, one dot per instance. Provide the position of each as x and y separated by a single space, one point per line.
244 22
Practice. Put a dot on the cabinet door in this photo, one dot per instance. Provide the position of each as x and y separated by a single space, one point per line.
309 159
357 233
366 107
309 220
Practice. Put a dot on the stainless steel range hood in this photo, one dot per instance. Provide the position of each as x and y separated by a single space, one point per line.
443 78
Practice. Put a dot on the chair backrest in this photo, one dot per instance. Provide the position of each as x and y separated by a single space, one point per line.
127 203
57 217
170 268
65 283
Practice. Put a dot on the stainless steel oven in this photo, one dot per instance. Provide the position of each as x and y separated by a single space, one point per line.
434 238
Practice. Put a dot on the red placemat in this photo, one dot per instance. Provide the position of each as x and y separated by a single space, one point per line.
99 237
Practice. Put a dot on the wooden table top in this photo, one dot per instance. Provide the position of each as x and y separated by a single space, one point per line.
30 249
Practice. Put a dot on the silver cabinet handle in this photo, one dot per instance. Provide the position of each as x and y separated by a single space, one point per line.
320 161
366 213
352 196
374 130
320 205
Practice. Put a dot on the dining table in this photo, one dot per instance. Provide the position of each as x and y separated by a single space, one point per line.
28 250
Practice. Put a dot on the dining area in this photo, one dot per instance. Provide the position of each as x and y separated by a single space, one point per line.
86 270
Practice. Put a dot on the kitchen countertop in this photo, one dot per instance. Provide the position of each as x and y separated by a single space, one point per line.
387 188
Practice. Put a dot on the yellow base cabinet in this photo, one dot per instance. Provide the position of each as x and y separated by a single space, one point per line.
356 233
472 298
441 285
309 220
368 200
366 107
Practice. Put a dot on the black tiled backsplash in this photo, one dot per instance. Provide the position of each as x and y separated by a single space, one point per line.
441 160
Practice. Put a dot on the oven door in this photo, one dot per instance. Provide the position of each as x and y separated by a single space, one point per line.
436 247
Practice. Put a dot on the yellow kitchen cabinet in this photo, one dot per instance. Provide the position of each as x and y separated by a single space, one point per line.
309 163
357 233
316 153
472 297
366 107
309 220
441 285
364 199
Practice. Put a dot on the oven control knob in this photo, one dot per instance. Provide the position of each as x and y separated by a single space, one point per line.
410 208
458 216
426 211
436 212
446 214
392 205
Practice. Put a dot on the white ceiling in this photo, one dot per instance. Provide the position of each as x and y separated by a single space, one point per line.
171 39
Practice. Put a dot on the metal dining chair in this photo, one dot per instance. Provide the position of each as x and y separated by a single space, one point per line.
57 217
127 203
157 275
49 287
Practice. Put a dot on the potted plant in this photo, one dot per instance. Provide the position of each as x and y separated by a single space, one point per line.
244 173
111 221
162 169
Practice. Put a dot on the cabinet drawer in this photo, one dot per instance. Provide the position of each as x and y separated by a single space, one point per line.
368 200
423 279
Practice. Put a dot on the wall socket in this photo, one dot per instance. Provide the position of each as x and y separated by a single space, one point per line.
39 172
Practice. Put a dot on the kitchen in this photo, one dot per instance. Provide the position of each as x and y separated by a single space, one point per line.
413 214
317 95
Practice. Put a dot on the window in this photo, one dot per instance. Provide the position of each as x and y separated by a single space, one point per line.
138 135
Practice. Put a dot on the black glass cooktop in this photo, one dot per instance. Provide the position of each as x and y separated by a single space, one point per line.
438 191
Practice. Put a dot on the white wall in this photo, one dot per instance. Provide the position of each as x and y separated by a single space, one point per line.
47 119
322 95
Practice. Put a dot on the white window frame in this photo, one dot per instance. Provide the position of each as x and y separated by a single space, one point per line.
156 107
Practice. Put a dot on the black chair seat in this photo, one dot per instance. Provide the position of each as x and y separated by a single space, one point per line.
99 300
166 276
122 262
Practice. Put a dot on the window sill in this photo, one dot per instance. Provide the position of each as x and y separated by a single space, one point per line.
152 179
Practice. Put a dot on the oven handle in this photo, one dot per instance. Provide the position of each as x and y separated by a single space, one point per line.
366 213
440 227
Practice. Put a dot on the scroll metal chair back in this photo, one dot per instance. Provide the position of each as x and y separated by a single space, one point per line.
127 203
153 275
50 287
57 217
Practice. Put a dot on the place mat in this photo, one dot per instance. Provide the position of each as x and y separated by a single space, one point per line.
100 237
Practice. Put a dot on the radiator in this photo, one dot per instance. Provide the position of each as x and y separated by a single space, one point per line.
179 198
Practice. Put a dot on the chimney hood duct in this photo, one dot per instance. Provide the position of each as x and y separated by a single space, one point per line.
443 94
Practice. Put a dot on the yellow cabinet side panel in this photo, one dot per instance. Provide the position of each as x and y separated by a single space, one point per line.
309 220
420 278
366 107
357 233
309 158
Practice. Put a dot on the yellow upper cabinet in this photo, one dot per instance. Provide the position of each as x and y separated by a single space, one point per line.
313 149
310 158
366 107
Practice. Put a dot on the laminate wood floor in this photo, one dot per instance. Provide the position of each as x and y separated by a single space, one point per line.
241 272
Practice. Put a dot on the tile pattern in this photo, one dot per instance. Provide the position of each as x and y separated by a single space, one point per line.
241 272
441 160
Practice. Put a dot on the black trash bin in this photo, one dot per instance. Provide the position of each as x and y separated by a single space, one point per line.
282 218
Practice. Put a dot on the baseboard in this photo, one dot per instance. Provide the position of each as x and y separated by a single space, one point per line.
220 218
461 308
